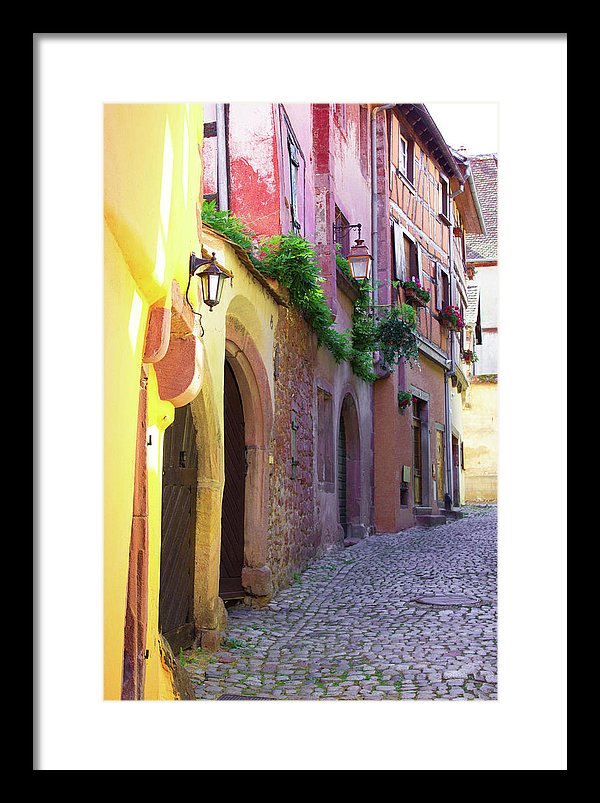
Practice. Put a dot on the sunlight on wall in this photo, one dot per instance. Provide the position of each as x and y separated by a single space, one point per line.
167 180
135 318
166 192
186 160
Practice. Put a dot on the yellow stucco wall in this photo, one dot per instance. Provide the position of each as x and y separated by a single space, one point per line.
251 311
152 182
456 416
480 431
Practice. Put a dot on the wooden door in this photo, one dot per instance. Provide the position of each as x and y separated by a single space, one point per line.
455 471
342 474
416 457
180 466
232 516
441 465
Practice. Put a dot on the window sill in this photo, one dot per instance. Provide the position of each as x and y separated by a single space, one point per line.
444 219
406 181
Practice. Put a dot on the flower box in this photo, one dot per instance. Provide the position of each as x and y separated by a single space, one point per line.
412 297
451 318
415 293
404 399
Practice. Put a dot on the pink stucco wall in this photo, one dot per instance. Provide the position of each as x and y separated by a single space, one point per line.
254 171
334 170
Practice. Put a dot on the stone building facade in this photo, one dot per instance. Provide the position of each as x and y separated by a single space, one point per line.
421 231
241 442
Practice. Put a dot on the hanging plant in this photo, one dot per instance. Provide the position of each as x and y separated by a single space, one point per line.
396 335
291 260
469 356
404 399
451 318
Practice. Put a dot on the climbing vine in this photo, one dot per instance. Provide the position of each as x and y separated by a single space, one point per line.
291 260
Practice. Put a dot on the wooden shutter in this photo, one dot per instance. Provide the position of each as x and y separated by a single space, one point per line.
419 263
406 250
439 287
398 245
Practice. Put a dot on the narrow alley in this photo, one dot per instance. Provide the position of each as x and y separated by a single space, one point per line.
410 615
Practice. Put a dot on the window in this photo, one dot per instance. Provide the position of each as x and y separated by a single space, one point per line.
412 259
406 157
442 287
293 175
444 198
341 233
406 254
403 155
294 171
324 437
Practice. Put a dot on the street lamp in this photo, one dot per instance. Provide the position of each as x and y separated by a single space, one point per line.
360 261
359 257
211 278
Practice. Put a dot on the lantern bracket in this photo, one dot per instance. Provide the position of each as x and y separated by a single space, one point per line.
349 226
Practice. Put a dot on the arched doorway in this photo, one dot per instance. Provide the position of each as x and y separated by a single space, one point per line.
180 466
233 508
342 461
348 464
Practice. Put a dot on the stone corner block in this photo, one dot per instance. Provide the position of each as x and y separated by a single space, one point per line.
257 581
210 640
358 531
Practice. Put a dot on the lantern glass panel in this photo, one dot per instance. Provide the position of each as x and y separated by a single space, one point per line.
212 287
360 267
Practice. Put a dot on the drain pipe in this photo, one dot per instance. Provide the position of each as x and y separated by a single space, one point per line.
222 189
374 254
451 370
374 232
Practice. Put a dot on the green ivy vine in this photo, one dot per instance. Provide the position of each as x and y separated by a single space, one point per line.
291 260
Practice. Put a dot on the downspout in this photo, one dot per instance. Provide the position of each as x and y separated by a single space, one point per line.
374 250
451 369
374 231
222 188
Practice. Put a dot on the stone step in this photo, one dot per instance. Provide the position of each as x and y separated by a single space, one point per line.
431 520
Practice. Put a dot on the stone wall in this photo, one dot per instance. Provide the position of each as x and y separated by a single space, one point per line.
293 540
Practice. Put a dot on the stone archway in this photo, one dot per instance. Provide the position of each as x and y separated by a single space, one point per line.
210 617
349 465
253 384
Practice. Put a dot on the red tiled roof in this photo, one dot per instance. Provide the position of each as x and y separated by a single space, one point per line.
484 169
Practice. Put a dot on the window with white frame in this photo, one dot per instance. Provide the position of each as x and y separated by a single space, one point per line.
406 254
405 157
294 171
444 198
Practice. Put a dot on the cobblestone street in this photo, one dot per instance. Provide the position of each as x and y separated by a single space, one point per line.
410 615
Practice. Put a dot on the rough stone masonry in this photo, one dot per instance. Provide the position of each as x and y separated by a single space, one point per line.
409 615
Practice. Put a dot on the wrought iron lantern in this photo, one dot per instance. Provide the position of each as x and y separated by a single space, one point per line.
212 279
359 257
360 261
